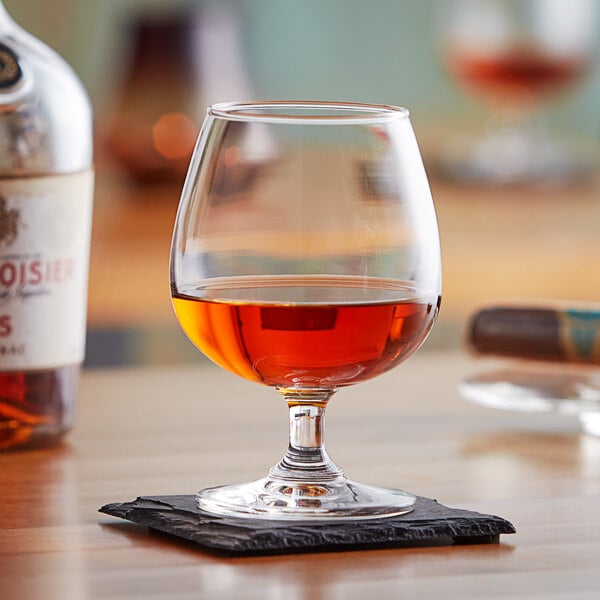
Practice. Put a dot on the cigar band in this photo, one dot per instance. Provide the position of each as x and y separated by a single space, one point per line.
579 333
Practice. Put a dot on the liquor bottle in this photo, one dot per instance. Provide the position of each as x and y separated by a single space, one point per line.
46 189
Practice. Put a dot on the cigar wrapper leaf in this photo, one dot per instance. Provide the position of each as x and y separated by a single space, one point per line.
558 334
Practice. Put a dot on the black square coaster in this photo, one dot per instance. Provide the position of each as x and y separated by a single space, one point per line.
429 524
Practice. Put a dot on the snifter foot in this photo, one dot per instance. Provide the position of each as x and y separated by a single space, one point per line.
270 498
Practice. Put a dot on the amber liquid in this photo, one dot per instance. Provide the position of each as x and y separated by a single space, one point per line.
36 406
306 332
516 72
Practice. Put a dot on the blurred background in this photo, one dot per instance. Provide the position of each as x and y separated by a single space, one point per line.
504 97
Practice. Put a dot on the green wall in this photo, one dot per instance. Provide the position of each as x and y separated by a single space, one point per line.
377 50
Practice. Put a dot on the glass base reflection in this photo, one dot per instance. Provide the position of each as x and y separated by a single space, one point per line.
277 499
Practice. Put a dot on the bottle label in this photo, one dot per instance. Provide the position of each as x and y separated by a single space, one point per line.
45 225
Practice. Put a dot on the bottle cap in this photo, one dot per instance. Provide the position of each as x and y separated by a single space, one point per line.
11 74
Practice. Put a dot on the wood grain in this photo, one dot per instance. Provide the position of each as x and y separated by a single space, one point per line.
174 430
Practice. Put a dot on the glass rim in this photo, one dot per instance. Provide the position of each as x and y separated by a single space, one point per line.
356 113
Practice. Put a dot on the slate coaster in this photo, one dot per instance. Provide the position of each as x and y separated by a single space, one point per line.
429 524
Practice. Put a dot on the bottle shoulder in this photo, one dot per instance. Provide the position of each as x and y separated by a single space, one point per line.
46 117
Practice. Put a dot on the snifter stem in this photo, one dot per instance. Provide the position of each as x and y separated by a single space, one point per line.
306 483
306 459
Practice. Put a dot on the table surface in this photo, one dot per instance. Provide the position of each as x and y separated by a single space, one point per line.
172 430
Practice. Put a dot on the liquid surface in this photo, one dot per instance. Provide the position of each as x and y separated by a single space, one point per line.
306 331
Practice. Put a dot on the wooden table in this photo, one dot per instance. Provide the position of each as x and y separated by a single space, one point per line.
174 429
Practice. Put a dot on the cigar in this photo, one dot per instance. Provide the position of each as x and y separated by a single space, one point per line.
564 334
